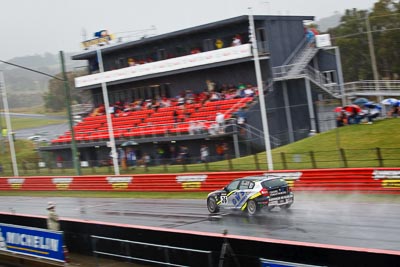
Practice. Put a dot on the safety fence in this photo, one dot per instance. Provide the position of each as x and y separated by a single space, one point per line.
383 180
341 158
150 253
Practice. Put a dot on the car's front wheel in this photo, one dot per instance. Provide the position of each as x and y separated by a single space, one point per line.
287 206
252 207
212 205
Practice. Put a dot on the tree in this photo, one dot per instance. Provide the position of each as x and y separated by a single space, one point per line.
55 97
351 36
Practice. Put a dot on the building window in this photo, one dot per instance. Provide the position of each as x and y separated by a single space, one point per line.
161 54
208 45
262 40
329 76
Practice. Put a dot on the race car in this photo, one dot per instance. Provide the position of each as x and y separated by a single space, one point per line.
251 194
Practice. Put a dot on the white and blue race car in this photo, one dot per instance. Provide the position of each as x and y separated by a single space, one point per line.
251 194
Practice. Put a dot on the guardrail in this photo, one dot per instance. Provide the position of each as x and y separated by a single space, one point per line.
380 180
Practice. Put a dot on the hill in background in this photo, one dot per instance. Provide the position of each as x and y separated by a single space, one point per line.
22 84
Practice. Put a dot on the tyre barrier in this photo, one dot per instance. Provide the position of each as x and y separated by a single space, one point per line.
364 180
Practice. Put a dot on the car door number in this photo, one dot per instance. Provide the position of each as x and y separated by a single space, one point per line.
224 199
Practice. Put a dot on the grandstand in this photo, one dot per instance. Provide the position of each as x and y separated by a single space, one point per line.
202 71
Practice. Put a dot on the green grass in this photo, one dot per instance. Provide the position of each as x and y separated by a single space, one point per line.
359 143
24 123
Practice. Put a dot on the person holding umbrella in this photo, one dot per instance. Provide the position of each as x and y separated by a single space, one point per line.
354 114
372 112
394 103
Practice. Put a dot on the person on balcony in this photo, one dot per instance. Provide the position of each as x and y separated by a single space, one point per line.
220 120
237 40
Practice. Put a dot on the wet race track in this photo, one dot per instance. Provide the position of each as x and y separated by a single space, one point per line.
357 221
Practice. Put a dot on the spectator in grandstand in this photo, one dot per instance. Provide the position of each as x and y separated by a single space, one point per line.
137 105
145 161
155 104
241 116
183 156
220 120
219 149
131 62
192 128
215 96
181 100
210 85
100 110
204 153
200 128
121 157
160 153
249 91
165 102
175 115
59 160
131 158
195 50
203 97
213 129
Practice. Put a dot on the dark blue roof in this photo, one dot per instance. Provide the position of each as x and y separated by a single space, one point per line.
205 27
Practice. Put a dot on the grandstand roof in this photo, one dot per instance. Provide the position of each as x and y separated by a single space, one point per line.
209 26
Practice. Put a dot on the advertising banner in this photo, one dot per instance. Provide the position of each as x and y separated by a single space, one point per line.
32 242
273 263
204 58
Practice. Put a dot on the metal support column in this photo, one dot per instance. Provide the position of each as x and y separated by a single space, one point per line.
340 75
114 153
260 92
236 144
67 91
287 112
310 106
3 92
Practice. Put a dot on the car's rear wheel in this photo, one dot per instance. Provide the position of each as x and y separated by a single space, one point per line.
252 207
212 205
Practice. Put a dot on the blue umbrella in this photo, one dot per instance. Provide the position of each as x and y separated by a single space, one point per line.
372 105
360 101
389 101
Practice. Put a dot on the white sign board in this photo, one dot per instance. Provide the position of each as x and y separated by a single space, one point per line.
323 40
204 58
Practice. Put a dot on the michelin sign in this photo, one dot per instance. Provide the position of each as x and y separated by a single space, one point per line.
32 242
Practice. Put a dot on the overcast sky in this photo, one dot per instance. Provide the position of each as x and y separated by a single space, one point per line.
31 27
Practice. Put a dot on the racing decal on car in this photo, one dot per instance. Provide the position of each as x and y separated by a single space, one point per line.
119 183
389 179
239 198
191 181
290 177
16 183
62 183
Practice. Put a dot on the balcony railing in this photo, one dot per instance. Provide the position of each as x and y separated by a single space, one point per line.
199 59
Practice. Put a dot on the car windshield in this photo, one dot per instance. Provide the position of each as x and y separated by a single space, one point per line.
274 183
